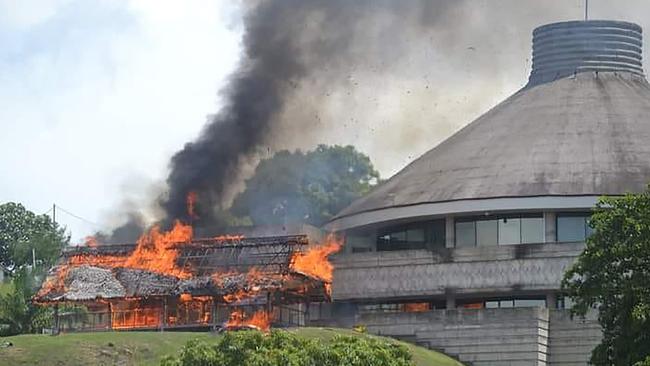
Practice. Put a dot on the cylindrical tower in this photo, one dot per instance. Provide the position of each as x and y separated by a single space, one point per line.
567 48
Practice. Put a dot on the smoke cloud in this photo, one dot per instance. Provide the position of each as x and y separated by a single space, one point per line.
286 44
393 78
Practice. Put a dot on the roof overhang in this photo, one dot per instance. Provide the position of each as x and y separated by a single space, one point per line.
462 207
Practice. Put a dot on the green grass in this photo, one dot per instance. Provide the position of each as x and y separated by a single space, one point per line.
143 348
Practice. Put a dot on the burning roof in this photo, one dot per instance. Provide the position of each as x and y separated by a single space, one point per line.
172 264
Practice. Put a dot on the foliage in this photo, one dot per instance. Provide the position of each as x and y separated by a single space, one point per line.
645 362
21 231
17 313
305 187
280 348
612 276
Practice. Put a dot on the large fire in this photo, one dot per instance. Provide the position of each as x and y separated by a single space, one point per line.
154 251
315 262
157 251
260 320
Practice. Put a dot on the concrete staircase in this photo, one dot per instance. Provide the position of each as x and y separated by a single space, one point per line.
482 337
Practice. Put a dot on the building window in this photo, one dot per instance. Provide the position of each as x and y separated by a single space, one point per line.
402 239
509 231
500 230
487 233
573 227
421 235
532 230
515 303
465 234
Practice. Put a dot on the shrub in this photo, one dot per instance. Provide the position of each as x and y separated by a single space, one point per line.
281 348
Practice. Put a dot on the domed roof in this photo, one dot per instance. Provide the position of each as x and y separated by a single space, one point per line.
586 134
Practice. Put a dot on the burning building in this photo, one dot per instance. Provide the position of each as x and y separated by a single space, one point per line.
168 280
464 250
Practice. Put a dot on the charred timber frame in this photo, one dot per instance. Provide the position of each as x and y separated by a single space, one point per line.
267 255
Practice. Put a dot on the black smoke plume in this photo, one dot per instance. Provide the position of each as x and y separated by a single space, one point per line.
322 71
285 43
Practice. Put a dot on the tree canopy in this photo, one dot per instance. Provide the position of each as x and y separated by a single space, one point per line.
306 187
613 276
21 231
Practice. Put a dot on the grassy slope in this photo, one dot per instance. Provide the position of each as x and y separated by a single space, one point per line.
140 348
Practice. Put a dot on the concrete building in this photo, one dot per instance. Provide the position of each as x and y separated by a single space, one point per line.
465 248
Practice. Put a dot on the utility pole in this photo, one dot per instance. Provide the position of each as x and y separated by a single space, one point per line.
586 10
54 213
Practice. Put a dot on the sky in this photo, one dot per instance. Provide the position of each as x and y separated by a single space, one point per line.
97 95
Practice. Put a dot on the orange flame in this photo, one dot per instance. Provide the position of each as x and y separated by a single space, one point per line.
315 261
154 250
260 320
252 275
134 316
91 242
191 204
55 283
228 237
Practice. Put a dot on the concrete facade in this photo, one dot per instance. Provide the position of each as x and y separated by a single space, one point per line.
461 271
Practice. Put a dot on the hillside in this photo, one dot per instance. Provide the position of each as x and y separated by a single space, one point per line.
142 348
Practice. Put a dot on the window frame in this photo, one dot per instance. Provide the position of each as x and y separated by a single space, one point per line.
499 219
588 231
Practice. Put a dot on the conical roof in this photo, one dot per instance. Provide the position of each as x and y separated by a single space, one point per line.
579 135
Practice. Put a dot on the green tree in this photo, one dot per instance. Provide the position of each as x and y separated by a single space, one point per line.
306 187
21 231
280 348
612 276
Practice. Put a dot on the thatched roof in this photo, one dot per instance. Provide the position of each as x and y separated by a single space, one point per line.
220 267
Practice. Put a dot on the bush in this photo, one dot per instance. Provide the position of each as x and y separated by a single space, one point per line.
281 348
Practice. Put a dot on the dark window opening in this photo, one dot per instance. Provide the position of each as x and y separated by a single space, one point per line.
573 227
421 235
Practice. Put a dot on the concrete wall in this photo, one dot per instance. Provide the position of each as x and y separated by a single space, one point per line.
571 340
481 337
462 271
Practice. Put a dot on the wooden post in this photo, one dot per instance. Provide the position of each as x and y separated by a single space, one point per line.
110 316
56 319
163 321
214 311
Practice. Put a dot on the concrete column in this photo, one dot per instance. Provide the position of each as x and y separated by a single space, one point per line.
451 301
450 232
550 231
551 300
